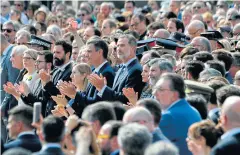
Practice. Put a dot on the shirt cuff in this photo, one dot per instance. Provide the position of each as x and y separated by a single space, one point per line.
102 91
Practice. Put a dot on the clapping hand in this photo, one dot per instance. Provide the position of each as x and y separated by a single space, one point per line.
23 88
97 81
59 111
68 89
131 95
71 122
60 100
45 76
10 89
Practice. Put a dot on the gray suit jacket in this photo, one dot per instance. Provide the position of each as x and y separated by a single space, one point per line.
8 73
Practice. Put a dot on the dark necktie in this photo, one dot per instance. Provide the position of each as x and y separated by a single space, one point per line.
121 74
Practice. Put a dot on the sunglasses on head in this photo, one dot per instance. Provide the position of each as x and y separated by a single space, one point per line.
7 30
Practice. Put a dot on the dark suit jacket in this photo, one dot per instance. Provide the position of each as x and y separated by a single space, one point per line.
132 79
82 99
175 122
50 88
9 101
27 141
228 146
50 151
157 135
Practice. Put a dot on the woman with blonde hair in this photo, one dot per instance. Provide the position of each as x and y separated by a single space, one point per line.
51 20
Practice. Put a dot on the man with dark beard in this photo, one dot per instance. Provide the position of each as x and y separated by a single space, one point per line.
61 59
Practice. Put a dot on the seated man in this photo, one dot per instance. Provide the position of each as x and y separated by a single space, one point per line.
20 129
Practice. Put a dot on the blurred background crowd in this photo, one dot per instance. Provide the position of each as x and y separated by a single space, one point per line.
120 78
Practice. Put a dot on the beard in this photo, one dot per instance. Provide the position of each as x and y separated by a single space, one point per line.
58 62
123 55
153 81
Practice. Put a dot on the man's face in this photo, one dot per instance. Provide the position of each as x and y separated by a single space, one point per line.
88 33
104 9
193 32
123 49
136 24
17 60
18 5
5 8
106 30
59 57
171 27
151 33
186 18
197 44
197 8
154 74
93 55
129 7
163 94
41 63
173 7
9 32
12 127
104 139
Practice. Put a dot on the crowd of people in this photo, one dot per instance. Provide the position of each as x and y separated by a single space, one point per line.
158 79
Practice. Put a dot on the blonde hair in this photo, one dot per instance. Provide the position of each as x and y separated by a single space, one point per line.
32 53
84 68
207 15
226 44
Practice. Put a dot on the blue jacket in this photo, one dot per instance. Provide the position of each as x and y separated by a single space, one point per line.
175 122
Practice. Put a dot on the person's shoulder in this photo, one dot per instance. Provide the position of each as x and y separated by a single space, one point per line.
12 144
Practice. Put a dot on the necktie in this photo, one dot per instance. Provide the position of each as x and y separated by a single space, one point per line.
121 74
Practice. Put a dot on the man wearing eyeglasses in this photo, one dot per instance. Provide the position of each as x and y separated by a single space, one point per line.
138 23
5 9
19 5
222 4
198 7
195 28
9 30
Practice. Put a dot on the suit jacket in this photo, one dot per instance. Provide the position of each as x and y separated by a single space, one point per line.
8 73
228 146
82 99
157 135
175 122
9 101
50 151
50 88
27 141
132 79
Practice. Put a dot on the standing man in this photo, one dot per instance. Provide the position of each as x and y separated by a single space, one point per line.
177 115
9 30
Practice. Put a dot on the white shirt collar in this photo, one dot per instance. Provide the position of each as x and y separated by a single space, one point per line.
230 133
100 66
51 145
172 105
62 68
26 133
129 61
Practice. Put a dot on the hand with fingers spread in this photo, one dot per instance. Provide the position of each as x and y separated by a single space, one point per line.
131 95
45 76
23 88
11 89
68 89
60 100
71 122
98 81
59 111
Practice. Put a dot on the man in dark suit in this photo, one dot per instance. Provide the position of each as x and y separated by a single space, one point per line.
7 71
20 129
230 122
128 76
53 132
177 114
61 59
97 51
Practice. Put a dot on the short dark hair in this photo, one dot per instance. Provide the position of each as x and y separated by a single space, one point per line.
115 126
215 85
176 83
48 57
203 56
179 24
133 3
133 33
155 26
153 106
53 129
194 67
22 113
169 15
99 44
97 32
225 56
200 103
226 91
217 65
119 110
101 111
236 59
140 16
66 46
188 51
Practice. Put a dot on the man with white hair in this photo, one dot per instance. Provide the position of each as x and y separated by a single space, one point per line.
133 139
202 44
230 122
195 28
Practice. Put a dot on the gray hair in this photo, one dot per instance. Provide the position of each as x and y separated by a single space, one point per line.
208 73
24 33
131 39
163 64
32 53
205 42
16 26
162 148
19 49
55 31
236 59
134 138
171 58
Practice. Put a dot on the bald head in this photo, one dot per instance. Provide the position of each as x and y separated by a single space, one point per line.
197 17
236 28
231 113
195 28
202 44
161 33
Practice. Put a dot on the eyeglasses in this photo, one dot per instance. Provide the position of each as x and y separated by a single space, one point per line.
54 21
192 34
7 30
27 58
81 15
18 5
208 22
220 6
4 6
38 62
197 7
